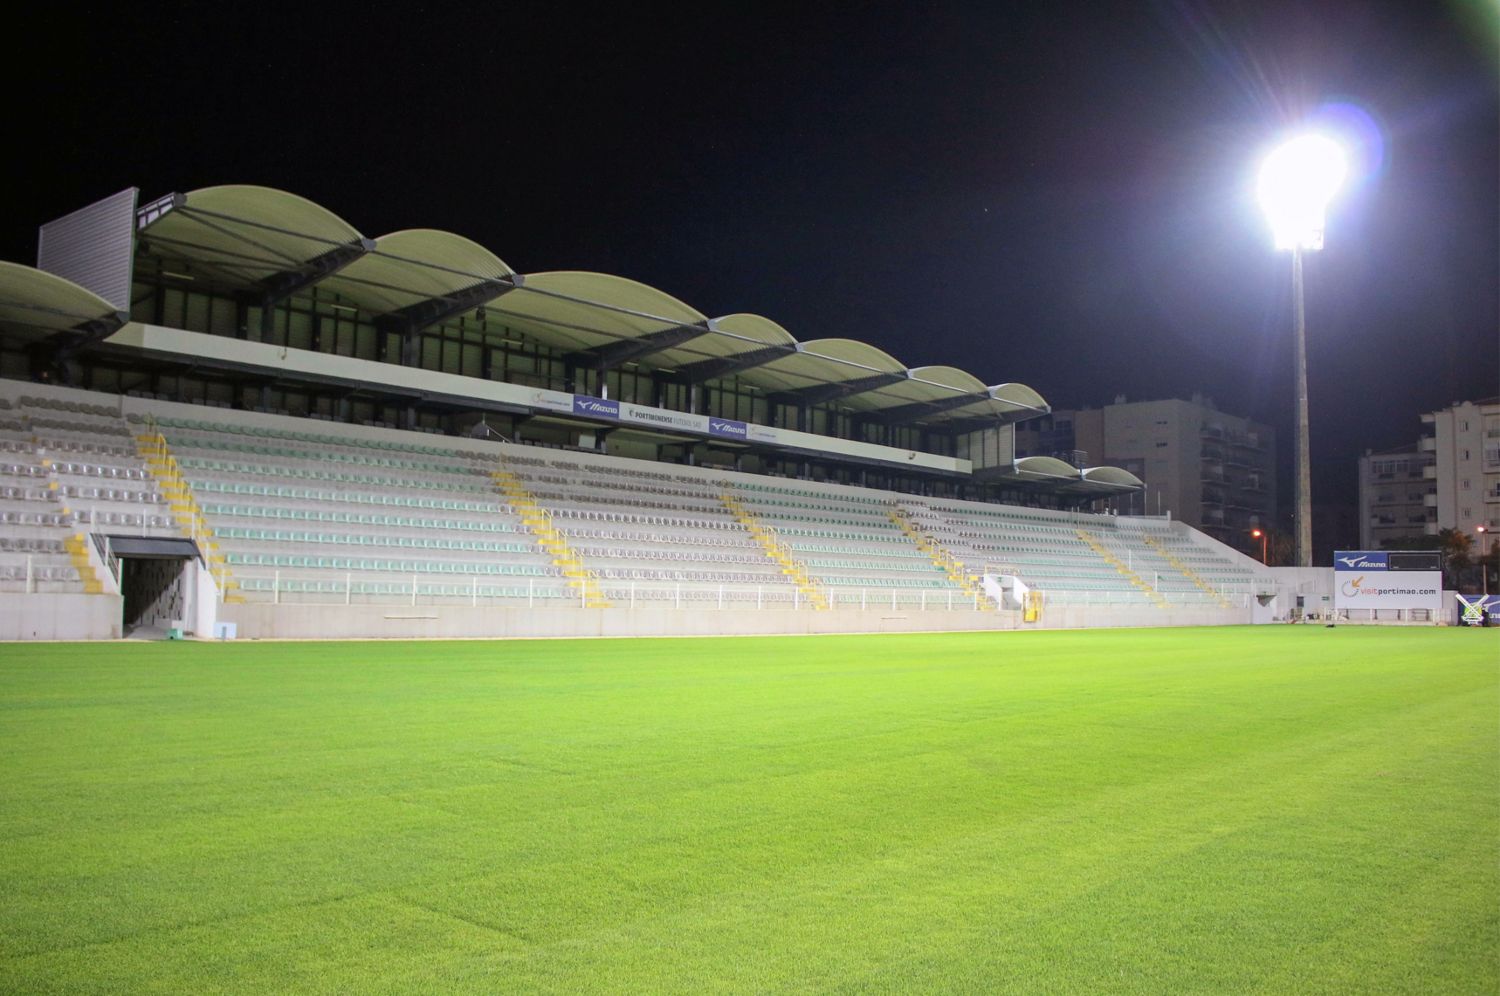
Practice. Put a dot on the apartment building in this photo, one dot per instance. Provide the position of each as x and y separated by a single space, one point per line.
1397 495
1464 441
1212 470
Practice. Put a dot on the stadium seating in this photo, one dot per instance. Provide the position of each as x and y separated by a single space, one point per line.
66 467
318 511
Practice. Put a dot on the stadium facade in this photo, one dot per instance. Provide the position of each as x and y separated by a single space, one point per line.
154 335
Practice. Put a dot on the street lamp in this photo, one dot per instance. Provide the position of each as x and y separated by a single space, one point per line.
1260 534
1297 180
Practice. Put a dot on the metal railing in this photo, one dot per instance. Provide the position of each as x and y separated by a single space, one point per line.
107 554
419 590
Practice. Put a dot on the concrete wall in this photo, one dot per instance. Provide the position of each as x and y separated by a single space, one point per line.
1314 584
203 599
60 617
297 622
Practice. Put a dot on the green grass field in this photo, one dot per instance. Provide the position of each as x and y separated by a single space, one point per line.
1272 809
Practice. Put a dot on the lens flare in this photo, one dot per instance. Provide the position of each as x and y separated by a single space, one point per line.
1358 133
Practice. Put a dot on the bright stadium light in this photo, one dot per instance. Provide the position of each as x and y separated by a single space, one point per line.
1297 180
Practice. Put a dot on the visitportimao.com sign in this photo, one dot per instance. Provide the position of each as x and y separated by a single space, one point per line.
1378 579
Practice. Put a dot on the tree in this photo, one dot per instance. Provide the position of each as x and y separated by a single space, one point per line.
1282 548
1455 545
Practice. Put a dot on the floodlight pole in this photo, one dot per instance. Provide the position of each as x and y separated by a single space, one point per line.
1303 511
1484 569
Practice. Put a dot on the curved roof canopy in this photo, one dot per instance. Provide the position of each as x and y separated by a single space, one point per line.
821 362
1044 466
1112 475
266 244
244 234
1064 478
408 268
593 314
577 310
751 332
37 304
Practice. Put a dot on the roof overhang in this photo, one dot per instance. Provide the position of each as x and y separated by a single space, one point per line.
264 245
1058 477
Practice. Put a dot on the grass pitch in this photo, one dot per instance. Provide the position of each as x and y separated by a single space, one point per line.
1272 809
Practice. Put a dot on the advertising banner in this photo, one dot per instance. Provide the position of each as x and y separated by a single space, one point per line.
728 428
1385 590
663 418
1360 560
552 401
595 407
1478 610
1363 580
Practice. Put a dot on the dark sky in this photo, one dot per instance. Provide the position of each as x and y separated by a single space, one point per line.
1058 194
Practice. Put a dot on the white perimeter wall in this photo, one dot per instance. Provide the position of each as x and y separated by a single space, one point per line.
60 617
298 622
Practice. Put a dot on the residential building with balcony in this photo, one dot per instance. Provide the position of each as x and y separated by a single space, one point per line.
1464 441
1397 495
1212 470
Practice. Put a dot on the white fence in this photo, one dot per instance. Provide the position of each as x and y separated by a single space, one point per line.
551 592
554 593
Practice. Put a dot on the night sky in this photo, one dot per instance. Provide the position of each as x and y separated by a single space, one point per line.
1057 194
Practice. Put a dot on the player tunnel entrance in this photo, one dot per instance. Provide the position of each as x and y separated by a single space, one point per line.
155 581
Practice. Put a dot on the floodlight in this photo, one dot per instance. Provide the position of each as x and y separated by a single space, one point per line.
1297 180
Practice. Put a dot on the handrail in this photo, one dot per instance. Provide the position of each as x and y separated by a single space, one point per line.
107 554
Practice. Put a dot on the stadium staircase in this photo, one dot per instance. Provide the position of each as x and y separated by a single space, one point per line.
539 523
186 511
766 537
940 556
1188 572
1120 566
75 544
78 554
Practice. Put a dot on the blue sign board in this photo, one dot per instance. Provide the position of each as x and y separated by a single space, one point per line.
595 407
1478 610
1360 560
727 427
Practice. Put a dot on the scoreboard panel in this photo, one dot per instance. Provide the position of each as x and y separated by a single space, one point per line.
1414 560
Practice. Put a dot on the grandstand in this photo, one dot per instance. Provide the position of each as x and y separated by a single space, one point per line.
241 410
